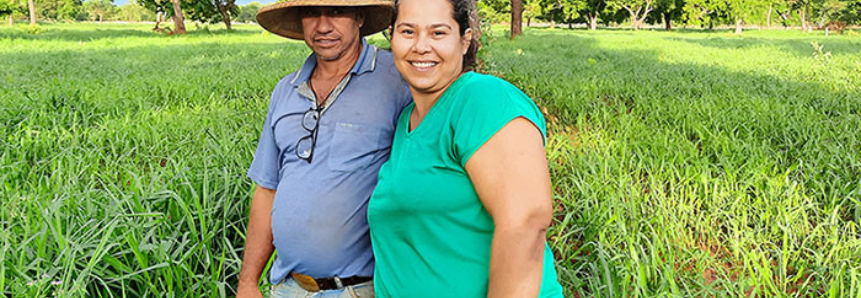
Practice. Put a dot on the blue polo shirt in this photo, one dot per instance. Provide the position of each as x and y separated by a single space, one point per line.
319 216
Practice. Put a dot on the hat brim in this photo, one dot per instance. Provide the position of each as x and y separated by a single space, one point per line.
283 18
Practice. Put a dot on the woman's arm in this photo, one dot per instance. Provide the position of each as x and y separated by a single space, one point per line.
511 177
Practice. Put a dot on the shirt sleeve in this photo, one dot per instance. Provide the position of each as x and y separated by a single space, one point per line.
267 158
484 109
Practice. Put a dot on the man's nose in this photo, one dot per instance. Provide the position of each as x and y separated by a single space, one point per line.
324 24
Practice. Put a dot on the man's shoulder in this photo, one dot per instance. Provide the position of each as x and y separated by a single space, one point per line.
386 62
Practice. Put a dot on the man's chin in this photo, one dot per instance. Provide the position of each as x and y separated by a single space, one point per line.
329 57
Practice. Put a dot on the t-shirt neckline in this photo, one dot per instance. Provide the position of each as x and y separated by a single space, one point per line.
445 95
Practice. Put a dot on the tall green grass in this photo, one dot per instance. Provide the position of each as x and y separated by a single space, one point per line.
684 164
123 157
699 164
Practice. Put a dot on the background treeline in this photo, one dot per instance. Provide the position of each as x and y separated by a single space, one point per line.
805 14
204 11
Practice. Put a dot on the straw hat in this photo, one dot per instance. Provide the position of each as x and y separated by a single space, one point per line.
283 18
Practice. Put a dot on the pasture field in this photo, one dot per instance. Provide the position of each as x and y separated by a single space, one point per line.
684 164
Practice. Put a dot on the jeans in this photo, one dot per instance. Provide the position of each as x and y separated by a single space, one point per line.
290 289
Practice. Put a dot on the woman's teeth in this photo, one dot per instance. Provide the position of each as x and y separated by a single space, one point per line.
424 64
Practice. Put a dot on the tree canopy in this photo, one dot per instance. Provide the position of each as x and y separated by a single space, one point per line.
806 14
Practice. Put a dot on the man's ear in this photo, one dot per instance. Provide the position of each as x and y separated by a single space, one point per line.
360 18
466 40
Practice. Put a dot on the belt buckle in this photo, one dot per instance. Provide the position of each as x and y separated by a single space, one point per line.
306 282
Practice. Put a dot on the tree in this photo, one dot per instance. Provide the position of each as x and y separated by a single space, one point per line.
571 10
212 11
803 8
593 9
531 10
72 10
248 13
701 12
133 12
161 8
166 8
32 7
638 10
670 10
852 14
739 10
516 18
178 18
11 8
553 10
100 8
828 11
225 8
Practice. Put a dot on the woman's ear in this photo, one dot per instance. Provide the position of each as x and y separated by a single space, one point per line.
466 40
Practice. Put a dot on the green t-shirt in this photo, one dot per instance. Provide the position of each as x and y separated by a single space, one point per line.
430 232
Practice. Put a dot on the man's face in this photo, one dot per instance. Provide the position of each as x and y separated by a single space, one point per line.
331 31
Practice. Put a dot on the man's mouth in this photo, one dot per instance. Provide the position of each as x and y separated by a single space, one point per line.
326 41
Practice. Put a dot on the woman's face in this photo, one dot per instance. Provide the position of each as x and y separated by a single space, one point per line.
427 44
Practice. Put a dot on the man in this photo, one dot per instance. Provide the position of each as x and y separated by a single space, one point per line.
328 130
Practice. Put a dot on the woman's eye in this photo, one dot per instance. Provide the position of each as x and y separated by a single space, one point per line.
407 31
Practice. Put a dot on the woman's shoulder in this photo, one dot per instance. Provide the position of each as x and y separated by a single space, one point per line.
483 90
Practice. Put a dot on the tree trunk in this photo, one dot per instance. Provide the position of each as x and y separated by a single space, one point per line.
226 16
32 12
528 22
570 25
516 18
593 21
100 18
768 18
552 22
634 24
668 21
11 21
803 20
178 18
738 26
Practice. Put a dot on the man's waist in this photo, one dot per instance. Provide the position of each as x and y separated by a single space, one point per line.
316 284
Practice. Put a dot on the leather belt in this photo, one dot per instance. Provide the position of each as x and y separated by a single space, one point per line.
311 284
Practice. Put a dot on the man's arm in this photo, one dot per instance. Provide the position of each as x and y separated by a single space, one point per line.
258 243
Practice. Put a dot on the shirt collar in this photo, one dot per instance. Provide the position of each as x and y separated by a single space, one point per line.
367 62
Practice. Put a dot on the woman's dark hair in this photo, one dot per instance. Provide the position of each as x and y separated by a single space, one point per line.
461 17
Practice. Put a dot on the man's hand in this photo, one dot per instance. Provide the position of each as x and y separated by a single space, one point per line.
248 291
258 243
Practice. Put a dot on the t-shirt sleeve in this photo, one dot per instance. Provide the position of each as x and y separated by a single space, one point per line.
485 109
267 162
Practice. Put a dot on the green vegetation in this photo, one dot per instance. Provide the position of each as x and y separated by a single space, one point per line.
684 163
699 164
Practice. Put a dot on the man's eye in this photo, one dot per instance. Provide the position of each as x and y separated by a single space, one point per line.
438 33
337 12
407 31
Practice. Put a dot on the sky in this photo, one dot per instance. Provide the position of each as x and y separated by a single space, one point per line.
238 2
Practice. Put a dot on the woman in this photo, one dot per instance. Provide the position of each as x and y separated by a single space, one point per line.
462 206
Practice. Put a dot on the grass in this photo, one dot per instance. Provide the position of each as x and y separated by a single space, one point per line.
684 164
699 164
